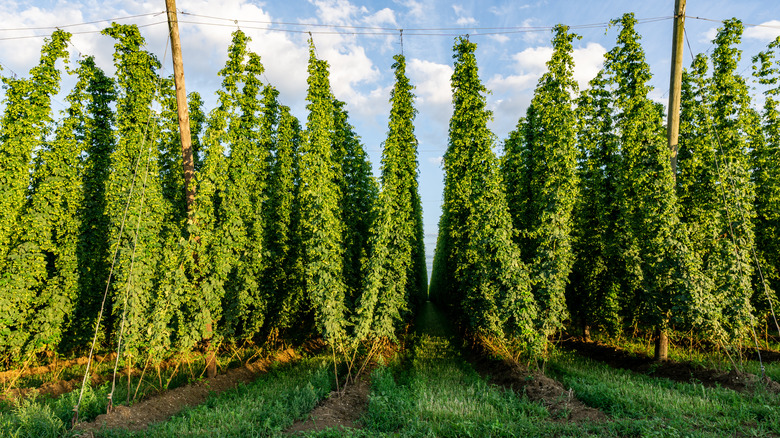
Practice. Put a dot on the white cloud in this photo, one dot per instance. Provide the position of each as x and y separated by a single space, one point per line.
21 54
531 63
510 8
416 9
709 35
533 60
534 37
765 31
436 161
463 19
382 18
501 84
434 95
337 11
432 81
501 39
588 61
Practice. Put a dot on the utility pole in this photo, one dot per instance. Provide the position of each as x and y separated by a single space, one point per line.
186 149
181 103
672 133
675 82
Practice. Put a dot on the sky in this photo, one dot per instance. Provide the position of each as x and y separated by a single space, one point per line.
359 38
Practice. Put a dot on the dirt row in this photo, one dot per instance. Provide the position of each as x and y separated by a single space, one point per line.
685 372
342 409
563 404
163 406
338 410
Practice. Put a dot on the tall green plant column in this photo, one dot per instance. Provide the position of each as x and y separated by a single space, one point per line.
735 124
212 267
593 296
135 187
698 189
321 228
229 217
26 121
284 272
38 276
392 280
766 175
244 196
655 241
358 193
93 245
485 278
543 167
178 318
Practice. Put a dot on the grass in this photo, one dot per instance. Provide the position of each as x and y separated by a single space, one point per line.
669 408
41 415
430 390
433 392
706 358
265 407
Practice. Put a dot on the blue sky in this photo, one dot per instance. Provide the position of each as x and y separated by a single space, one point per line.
361 39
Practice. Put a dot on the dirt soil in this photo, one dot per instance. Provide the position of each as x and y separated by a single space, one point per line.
343 410
562 403
161 407
338 410
676 371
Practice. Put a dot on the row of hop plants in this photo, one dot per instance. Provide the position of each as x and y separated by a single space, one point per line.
582 224
289 237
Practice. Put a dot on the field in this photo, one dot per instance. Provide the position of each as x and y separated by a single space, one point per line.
436 384
263 282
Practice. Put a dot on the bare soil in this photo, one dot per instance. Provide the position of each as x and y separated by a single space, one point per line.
563 404
677 371
338 410
163 406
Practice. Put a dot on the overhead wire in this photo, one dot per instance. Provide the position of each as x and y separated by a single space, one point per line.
345 29
127 17
340 29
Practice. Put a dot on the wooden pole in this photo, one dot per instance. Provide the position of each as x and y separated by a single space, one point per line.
675 82
181 103
186 149
672 133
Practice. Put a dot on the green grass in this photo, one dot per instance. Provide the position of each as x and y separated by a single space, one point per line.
441 395
430 390
703 357
42 415
434 392
265 407
669 408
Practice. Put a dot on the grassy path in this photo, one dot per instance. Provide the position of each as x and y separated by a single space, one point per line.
432 391
652 406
